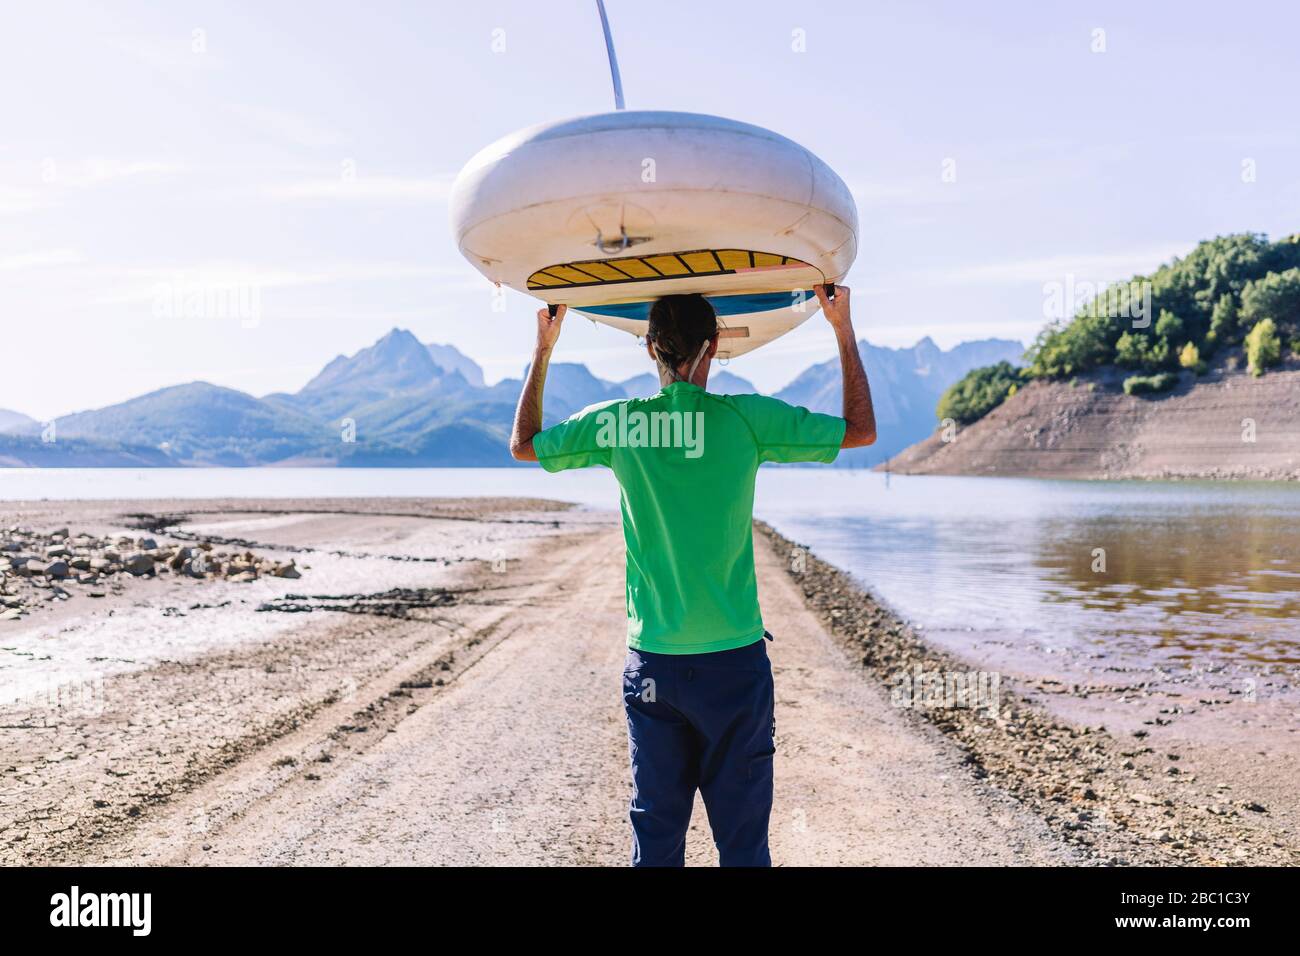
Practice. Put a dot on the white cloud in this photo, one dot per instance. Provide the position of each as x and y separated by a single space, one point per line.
909 192
16 200
185 51
282 124
89 173
1099 267
48 175
142 284
364 189
39 260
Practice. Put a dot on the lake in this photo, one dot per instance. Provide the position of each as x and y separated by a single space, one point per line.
1159 571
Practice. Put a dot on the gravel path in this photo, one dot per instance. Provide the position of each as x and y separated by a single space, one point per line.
520 757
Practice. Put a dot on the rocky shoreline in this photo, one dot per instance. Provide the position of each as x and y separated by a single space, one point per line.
1114 798
39 568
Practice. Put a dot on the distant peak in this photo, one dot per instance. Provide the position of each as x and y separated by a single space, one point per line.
395 362
399 337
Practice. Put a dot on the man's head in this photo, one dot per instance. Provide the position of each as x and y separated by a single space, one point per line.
683 336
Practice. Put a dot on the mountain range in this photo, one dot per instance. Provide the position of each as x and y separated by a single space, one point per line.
905 388
401 402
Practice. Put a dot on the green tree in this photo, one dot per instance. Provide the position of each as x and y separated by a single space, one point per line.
1169 326
1190 357
1263 346
1131 350
1275 296
1067 348
978 392
1144 384
1223 320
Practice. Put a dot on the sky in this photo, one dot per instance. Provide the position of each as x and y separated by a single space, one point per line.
297 157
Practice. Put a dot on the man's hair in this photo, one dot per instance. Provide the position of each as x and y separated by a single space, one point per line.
679 325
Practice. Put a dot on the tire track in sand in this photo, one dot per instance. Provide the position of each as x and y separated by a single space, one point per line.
522 759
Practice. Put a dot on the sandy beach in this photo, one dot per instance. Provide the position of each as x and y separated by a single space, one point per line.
440 685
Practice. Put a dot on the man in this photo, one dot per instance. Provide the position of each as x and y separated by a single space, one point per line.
697 686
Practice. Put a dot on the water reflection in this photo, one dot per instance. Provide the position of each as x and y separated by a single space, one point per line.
1166 570
1204 582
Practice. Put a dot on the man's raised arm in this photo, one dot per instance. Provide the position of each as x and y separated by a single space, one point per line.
528 414
859 417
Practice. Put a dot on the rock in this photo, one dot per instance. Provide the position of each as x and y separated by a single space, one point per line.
57 551
147 544
57 569
33 567
99 564
80 563
138 564
287 571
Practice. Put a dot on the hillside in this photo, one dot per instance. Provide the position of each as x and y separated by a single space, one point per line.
1091 429
1158 376
905 386
16 423
198 424
26 451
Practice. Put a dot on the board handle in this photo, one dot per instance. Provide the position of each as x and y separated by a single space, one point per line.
552 309
830 290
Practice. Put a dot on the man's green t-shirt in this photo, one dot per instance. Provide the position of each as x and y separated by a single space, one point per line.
685 460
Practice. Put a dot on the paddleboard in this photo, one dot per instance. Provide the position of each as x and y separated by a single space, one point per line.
605 213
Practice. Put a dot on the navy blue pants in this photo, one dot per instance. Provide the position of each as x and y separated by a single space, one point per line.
706 722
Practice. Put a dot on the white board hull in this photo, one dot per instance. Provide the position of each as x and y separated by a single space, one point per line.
608 212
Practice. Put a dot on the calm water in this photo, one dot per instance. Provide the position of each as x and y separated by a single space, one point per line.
1203 569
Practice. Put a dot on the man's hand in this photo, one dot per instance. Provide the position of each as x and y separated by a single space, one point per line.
859 416
836 310
528 414
548 329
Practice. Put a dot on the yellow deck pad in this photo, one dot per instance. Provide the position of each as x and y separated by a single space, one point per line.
696 262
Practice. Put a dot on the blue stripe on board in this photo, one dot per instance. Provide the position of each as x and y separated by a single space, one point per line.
722 304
